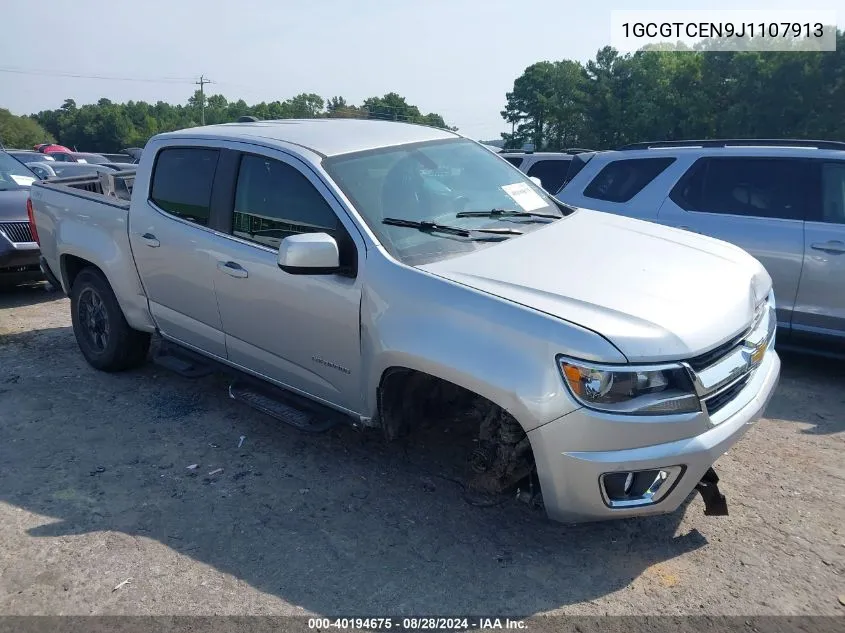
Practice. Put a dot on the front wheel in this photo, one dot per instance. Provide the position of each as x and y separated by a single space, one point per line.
101 330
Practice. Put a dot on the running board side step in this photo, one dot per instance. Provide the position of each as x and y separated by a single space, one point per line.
182 361
286 406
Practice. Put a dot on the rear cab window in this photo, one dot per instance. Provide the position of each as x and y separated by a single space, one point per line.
621 180
516 161
182 181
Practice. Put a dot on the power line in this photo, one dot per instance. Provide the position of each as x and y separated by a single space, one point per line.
53 73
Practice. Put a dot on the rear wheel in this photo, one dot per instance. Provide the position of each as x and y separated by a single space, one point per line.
101 330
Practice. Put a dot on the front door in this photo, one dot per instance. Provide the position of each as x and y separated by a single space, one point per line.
820 307
759 204
174 248
299 330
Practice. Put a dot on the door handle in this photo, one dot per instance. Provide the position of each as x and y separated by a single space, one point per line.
233 269
833 246
150 240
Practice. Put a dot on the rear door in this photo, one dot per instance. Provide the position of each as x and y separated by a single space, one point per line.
176 249
757 203
820 306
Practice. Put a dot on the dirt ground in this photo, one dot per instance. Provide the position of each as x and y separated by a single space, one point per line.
95 491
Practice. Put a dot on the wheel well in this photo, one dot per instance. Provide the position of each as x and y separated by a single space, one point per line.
407 397
72 266
499 451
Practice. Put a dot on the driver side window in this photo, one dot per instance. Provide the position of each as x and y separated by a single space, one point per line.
274 200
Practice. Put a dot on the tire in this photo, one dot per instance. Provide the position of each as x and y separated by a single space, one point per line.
101 330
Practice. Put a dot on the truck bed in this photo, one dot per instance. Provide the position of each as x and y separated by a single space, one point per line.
85 221
117 185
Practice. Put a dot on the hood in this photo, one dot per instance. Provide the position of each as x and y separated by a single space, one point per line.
656 293
13 205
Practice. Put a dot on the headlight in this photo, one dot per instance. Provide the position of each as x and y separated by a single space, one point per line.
655 390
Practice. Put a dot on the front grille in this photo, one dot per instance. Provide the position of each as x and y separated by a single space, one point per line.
17 231
716 402
708 358
19 269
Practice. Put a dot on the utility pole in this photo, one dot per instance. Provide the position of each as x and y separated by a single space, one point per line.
201 83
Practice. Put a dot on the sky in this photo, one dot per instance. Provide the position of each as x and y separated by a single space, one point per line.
454 57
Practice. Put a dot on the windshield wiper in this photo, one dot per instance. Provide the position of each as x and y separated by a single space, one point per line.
506 213
430 227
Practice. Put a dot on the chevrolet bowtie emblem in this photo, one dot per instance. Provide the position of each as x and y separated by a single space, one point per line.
754 353
758 353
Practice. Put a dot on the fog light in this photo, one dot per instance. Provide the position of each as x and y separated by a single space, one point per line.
626 489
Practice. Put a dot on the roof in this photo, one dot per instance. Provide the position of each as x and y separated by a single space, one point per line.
560 155
732 150
328 137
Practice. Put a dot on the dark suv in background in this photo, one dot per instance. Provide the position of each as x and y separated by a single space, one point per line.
19 253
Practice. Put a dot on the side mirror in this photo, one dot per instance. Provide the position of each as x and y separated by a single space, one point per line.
309 254
536 181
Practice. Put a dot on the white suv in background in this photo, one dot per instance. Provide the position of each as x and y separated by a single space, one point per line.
783 201
549 167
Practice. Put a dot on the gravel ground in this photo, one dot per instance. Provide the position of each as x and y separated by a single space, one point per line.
95 491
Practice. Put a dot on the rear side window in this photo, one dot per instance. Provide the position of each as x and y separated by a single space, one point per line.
754 187
182 181
621 180
550 172
516 161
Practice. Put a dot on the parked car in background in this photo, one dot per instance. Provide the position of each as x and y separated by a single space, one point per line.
549 167
119 158
134 152
781 200
26 156
49 148
42 169
19 253
388 275
67 170
89 157
63 157
119 166
80 157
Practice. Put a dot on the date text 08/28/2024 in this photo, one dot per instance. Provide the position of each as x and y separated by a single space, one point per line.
416 623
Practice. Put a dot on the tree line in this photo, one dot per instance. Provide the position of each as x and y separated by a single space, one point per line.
659 94
106 126
608 101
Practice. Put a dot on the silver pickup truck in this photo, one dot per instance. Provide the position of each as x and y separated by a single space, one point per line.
388 274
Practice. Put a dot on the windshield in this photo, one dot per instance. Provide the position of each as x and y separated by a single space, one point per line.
14 174
434 182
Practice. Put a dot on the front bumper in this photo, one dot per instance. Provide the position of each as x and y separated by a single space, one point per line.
19 261
571 479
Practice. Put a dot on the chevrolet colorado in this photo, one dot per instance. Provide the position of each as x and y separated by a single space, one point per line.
385 273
